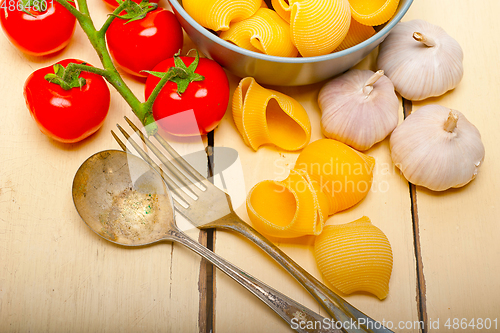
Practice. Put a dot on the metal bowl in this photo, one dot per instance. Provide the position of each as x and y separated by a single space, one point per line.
281 70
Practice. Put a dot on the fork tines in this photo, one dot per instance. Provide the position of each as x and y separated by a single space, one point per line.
180 176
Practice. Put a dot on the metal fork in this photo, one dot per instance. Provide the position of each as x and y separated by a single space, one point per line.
207 206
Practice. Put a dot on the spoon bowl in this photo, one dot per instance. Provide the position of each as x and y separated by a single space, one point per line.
122 199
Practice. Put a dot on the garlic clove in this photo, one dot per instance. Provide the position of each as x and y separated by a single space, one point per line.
421 60
437 148
359 108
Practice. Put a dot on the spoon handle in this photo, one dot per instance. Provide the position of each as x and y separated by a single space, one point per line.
292 312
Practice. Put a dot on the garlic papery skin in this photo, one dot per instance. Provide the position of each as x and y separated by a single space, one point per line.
421 60
359 108
437 148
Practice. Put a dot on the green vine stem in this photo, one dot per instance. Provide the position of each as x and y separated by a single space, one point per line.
87 68
105 26
97 38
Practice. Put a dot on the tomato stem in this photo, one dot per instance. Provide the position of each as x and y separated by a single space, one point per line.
98 40
180 74
168 76
134 11
75 12
84 9
86 68
67 78
111 17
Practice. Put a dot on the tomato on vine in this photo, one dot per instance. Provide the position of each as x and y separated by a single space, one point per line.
37 27
67 104
142 37
194 99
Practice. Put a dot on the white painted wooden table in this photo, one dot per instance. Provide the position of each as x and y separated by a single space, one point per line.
58 276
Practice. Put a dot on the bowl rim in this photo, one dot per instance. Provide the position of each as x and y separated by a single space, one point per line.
292 60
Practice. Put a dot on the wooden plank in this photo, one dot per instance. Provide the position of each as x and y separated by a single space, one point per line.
55 273
388 205
459 228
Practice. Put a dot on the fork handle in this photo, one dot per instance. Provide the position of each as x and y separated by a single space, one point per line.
336 307
292 312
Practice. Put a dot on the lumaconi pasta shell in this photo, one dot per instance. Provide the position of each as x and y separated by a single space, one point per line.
373 12
342 173
317 26
357 33
356 256
299 205
264 116
288 208
218 14
282 7
265 32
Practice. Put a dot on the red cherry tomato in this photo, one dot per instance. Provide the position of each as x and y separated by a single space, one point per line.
114 3
140 45
67 115
200 108
47 30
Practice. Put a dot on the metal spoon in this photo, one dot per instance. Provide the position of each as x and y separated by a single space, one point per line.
122 199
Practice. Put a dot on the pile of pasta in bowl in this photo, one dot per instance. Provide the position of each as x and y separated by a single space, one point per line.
292 27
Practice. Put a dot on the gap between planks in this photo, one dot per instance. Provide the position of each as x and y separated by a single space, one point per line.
206 280
421 292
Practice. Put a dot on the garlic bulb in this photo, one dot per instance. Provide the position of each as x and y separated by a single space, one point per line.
437 147
359 108
421 60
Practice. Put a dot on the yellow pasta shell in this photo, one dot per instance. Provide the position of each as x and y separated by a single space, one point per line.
218 14
357 33
329 176
264 116
288 208
317 26
282 7
342 173
265 32
373 12
356 256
